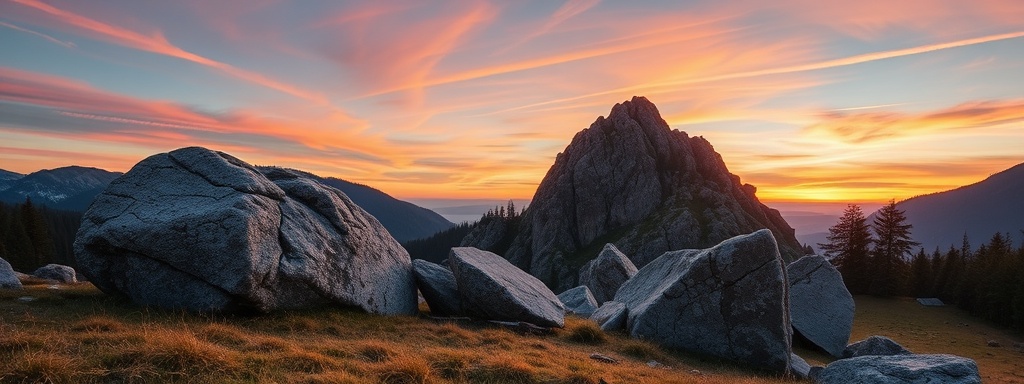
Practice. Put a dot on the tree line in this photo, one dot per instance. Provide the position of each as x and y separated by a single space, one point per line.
32 236
878 259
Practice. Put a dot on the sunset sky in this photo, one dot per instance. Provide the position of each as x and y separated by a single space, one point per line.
808 100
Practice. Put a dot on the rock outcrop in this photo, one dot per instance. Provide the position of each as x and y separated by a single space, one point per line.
578 301
946 369
875 346
606 273
820 306
491 288
632 181
728 301
8 280
204 231
437 284
60 273
611 316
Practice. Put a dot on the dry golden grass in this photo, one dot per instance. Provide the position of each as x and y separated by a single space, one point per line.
78 335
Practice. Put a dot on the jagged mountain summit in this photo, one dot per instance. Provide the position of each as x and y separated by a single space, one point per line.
978 210
632 181
70 188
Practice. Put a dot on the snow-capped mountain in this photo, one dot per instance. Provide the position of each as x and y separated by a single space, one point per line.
70 188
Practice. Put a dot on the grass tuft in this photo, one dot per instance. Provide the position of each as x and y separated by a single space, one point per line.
450 364
43 367
375 351
96 323
404 370
641 350
503 368
585 332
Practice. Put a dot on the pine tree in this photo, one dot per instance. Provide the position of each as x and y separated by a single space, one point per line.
920 275
848 245
38 235
892 244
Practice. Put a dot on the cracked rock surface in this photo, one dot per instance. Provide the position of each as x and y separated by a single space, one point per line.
820 305
728 301
923 369
204 231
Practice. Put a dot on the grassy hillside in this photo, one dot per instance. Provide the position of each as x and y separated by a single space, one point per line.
76 334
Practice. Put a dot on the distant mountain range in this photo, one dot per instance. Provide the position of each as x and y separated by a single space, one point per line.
995 204
941 219
74 188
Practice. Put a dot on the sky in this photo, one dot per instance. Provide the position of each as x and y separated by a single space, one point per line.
810 101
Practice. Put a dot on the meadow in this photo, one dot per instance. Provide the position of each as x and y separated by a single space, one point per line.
77 334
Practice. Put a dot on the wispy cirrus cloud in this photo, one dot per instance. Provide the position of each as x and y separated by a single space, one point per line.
66 44
865 127
158 44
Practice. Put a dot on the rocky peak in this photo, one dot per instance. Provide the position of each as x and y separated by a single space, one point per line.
632 181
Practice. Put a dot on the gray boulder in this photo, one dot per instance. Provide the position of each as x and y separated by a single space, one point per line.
729 301
578 301
923 369
437 284
875 345
492 288
606 273
8 278
204 231
611 316
56 272
819 304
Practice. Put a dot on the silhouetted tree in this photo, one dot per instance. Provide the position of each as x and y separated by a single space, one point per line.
848 244
892 244
920 275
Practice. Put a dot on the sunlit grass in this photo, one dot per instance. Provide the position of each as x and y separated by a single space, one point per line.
80 335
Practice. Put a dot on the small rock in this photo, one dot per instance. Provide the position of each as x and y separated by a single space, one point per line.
59 273
27 299
603 358
578 301
606 273
657 365
994 344
696 372
930 302
875 345
799 367
611 316
437 284
8 278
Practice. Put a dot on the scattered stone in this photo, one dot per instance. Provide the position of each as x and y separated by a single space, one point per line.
799 367
611 316
603 358
606 273
815 373
946 369
696 372
523 328
56 272
437 284
657 365
994 344
492 288
820 306
578 301
8 278
727 301
875 346
203 231
27 299
930 302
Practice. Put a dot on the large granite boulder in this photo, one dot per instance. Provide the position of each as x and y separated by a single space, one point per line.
611 316
606 273
922 369
728 301
8 280
56 272
204 231
492 288
875 346
578 301
820 306
437 284
629 179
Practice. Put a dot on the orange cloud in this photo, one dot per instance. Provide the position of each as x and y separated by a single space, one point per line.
157 43
873 126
